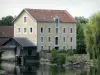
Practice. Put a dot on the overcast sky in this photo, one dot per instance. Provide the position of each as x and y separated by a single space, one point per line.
74 7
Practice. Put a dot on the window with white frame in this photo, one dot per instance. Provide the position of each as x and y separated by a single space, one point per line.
49 39
64 30
41 29
25 30
64 47
41 47
25 19
49 30
71 30
56 40
71 39
31 30
64 39
41 39
19 30
56 30
49 47
70 47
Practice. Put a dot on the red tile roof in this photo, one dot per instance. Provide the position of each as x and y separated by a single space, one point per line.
46 15
6 31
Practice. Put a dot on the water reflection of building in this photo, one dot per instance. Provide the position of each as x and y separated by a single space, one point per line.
12 69
8 67
44 70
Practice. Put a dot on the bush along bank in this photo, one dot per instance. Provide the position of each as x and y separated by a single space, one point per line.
57 58
68 58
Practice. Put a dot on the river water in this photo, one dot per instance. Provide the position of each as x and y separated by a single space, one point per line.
11 68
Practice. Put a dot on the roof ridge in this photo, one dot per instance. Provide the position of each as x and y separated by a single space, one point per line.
45 9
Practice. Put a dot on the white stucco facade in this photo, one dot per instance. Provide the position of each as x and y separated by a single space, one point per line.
61 43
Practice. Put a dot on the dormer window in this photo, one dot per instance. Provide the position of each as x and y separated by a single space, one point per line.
57 22
25 19
56 19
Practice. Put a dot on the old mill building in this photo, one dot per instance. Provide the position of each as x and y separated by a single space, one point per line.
47 29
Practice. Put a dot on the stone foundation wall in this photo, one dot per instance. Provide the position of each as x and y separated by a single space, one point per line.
45 55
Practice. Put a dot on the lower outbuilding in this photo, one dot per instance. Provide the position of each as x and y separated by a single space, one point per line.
19 49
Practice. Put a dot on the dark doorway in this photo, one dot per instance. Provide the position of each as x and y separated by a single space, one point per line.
29 69
57 48
56 40
29 52
18 60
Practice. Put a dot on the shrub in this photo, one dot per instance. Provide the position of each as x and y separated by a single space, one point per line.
71 59
57 58
49 51
63 51
53 56
61 59
70 52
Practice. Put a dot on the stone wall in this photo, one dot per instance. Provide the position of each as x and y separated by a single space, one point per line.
45 55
